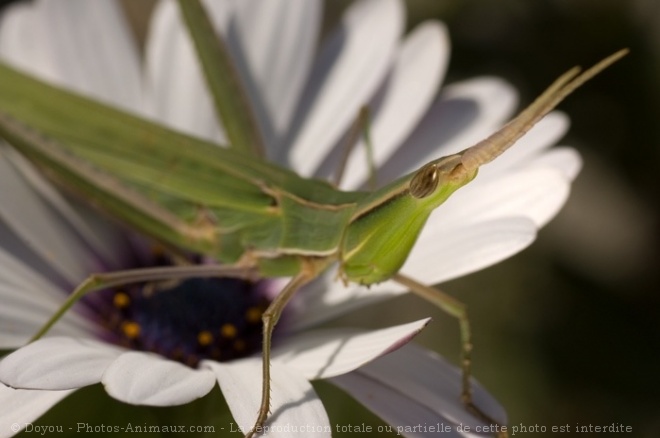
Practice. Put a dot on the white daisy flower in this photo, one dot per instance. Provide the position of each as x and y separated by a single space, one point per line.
305 98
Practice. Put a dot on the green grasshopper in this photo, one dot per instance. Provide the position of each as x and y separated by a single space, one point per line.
256 219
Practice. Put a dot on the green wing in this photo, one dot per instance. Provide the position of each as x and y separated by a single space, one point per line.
175 187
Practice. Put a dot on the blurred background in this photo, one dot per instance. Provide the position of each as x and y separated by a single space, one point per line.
567 331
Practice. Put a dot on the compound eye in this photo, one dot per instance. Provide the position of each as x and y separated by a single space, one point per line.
425 181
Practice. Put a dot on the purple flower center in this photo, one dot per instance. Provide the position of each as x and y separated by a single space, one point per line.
188 321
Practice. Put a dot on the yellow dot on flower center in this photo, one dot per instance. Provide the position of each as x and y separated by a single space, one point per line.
121 300
253 315
130 329
228 331
204 338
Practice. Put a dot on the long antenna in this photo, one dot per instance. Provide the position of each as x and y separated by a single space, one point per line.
487 150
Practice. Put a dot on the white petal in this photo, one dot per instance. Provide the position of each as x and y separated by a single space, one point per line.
350 67
443 254
466 113
23 291
104 238
272 44
294 402
148 379
12 244
40 228
566 160
326 353
71 363
398 410
411 87
21 40
323 299
326 298
83 45
535 193
278 39
415 386
29 300
177 94
23 406
15 274
25 308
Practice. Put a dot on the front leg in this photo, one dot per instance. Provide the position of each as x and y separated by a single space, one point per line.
270 317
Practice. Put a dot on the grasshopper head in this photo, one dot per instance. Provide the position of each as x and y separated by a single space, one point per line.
431 180
387 223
